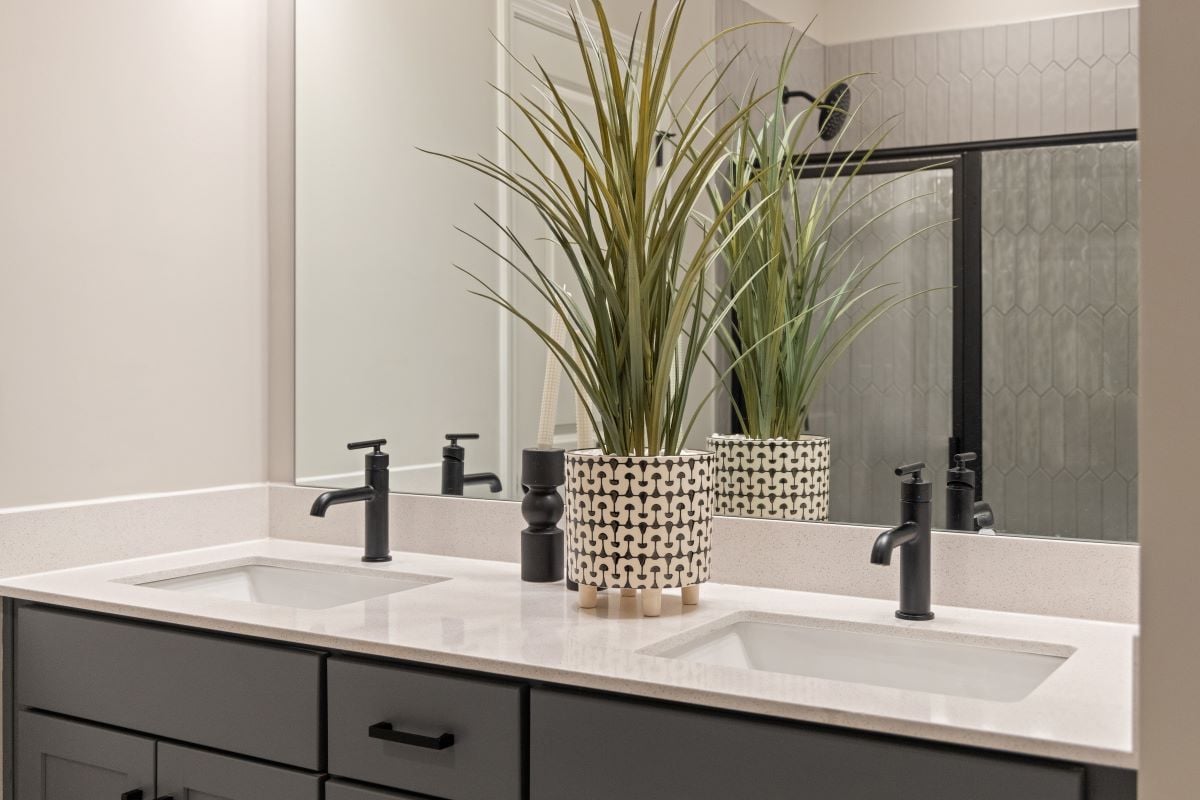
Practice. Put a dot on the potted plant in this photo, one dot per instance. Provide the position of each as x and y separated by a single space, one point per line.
798 299
621 209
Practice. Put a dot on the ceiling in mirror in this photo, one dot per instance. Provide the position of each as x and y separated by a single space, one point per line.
1001 209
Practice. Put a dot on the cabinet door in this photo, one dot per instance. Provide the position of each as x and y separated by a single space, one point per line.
57 759
187 774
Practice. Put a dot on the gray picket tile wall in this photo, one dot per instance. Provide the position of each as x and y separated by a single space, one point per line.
1067 75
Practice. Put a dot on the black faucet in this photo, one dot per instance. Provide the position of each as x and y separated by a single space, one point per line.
963 511
914 538
374 494
454 458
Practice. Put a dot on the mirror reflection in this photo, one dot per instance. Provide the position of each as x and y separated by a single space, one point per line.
957 237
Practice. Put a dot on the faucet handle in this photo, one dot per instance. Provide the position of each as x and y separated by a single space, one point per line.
912 469
454 437
962 459
376 443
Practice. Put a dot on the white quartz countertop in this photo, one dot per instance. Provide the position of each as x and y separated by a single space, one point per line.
485 618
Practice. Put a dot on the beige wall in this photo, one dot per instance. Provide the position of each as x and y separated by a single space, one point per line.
132 247
1170 386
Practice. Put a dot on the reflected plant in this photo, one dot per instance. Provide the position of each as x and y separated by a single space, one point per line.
798 300
645 314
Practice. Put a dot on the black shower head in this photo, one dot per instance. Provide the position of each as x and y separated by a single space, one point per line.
833 108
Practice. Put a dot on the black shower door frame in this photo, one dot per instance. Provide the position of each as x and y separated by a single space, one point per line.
965 161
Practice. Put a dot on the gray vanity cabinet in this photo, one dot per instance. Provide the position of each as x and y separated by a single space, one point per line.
105 708
587 747
60 759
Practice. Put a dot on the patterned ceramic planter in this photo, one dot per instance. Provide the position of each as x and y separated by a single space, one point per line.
635 522
773 478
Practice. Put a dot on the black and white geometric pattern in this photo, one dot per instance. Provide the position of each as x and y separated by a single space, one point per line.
639 522
772 478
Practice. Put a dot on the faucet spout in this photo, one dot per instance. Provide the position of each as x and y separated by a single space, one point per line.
889 540
490 478
339 496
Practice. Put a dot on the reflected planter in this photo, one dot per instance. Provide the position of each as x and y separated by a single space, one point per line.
772 478
639 523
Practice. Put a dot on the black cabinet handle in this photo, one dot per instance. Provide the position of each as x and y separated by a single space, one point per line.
385 731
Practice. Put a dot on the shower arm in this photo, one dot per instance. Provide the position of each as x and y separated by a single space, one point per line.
788 94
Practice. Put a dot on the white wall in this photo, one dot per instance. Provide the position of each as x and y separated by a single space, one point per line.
841 21
132 247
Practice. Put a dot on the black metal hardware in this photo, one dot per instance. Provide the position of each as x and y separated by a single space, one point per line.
385 731
375 496
454 460
132 794
914 538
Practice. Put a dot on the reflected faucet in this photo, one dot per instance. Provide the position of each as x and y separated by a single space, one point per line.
454 459
374 494
963 511
913 538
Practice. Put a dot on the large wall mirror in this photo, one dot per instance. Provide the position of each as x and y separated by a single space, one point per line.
1010 176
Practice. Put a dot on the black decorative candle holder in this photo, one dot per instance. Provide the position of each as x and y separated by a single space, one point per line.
543 470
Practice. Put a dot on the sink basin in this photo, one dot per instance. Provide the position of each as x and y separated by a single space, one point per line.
974 667
305 587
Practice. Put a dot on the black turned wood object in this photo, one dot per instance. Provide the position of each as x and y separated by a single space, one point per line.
542 472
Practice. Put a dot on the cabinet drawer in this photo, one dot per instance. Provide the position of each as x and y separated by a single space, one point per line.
596 748
187 773
258 700
484 717
337 790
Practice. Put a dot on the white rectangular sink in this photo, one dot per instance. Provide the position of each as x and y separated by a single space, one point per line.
303 586
974 667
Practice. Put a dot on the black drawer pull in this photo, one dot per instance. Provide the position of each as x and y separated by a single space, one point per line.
385 731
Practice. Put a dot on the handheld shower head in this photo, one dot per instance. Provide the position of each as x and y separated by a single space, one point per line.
833 108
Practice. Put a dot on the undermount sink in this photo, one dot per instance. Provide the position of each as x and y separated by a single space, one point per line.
307 587
983 669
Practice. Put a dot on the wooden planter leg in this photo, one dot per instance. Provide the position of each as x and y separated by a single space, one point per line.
691 595
629 593
651 602
587 596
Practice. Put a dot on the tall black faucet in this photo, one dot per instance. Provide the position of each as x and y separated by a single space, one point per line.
913 536
374 494
963 511
454 463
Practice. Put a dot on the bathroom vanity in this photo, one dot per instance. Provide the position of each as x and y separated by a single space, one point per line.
162 677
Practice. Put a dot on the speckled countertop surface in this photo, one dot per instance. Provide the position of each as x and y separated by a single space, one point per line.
484 618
